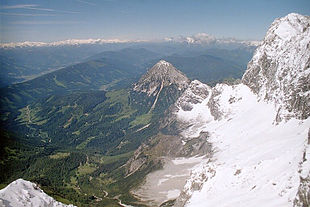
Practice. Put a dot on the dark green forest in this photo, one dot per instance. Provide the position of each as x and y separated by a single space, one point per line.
72 131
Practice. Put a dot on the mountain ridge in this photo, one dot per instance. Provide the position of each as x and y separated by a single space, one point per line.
249 129
200 38
280 68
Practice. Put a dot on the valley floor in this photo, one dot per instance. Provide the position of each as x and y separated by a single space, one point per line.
167 183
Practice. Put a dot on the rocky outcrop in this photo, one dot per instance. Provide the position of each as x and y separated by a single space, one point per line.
159 88
24 193
195 93
303 194
198 177
162 74
280 68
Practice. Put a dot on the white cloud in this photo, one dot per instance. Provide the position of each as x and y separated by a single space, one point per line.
35 7
24 14
45 22
27 6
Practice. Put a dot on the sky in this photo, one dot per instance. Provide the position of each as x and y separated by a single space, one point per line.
55 20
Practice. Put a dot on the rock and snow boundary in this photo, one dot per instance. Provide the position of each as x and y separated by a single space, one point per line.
259 129
255 162
24 193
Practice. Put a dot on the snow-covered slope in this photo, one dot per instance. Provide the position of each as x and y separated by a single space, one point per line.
255 163
24 193
259 130
280 68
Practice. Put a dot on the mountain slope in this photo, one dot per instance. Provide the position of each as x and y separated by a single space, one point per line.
260 159
255 162
89 136
33 61
91 75
159 87
25 193
280 68
258 154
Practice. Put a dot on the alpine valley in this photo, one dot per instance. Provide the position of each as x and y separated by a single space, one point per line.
135 125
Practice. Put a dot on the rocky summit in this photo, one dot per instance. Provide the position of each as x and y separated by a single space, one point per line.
160 75
280 68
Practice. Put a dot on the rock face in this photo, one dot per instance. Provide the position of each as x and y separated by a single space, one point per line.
195 93
280 68
259 129
254 134
24 193
162 74
160 87
303 195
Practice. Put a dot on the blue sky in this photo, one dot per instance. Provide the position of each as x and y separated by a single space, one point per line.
53 20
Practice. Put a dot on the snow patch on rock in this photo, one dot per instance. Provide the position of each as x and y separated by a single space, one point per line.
24 193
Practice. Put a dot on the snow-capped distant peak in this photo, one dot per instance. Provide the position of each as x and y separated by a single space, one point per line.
64 42
24 193
200 38
203 38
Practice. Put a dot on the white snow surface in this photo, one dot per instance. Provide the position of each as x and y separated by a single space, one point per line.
286 46
255 161
24 193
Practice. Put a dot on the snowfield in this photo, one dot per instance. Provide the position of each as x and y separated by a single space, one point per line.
256 161
260 129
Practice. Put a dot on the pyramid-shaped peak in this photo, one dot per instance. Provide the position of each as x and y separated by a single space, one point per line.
164 70
162 73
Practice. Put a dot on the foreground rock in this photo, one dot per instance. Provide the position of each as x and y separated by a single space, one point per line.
24 193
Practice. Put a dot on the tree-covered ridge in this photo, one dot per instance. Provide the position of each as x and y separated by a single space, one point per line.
91 75
78 121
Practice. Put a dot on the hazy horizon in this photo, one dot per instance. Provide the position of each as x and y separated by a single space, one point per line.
46 21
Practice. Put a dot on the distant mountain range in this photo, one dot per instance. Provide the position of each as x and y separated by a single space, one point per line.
200 38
